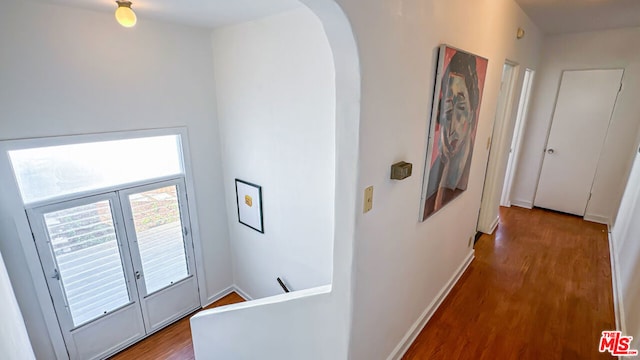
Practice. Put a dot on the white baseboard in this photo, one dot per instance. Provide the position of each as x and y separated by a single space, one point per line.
219 295
618 307
491 228
242 293
597 219
494 225
522 204
417 327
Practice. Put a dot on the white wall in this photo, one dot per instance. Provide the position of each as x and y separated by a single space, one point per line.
591 50
14 341
249 330
314 323
69 71
626 254
275 87
401 264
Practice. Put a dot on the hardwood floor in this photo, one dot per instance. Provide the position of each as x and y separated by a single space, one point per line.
172 342
539 288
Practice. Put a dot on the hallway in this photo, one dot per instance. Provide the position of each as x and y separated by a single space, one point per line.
539 288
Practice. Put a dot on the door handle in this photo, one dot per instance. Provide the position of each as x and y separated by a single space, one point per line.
138 276
550 151
56 274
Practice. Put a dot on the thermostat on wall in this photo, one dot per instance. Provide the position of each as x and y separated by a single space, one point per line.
401 170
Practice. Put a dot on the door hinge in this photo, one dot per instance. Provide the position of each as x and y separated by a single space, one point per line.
56 274
186 231
620 89
590 194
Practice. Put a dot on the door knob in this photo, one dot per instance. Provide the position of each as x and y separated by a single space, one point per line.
550 151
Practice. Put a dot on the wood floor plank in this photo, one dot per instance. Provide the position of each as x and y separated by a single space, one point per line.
172 342
539 288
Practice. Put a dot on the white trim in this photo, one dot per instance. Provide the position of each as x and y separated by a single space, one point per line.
598 219
518 134
101 191
27 143
15 206
501 137
42 290
242 293
193 215
219 295
494 225
618 307
417 327
522 204
12 203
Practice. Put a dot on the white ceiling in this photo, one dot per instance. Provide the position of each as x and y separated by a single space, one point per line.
563 16
552 16
204 13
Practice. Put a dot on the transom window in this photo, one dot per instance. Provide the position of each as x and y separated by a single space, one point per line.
49 172
111 223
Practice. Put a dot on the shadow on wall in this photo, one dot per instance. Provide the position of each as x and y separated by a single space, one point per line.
278 132
314 321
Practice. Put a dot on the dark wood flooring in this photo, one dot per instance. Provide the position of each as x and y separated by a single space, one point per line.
172 342
539 288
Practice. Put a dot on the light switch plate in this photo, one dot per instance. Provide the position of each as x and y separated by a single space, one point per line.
368 199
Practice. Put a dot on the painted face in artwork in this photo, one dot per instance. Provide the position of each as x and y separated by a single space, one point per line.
456 117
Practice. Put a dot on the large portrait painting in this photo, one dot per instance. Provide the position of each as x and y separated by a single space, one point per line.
452 133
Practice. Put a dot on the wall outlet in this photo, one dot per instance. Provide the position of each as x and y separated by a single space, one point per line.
368 199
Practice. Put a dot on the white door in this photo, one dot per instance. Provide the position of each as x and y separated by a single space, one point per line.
119 265
518 131
157 225
496 165
580 123
85 257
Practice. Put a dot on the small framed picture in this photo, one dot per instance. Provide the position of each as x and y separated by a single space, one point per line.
249 200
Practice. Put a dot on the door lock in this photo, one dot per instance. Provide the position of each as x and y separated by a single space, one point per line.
550 151
138 276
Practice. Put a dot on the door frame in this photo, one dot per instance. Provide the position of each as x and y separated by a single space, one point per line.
518 132
26 248
500 135
41 233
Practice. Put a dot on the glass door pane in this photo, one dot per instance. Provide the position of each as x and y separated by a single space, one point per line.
159 233
89 265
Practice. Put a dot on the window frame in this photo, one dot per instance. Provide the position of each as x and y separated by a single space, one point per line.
13 203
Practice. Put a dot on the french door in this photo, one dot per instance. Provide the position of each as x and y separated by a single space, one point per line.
118 265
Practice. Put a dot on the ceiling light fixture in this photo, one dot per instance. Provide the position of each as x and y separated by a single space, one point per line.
125 16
